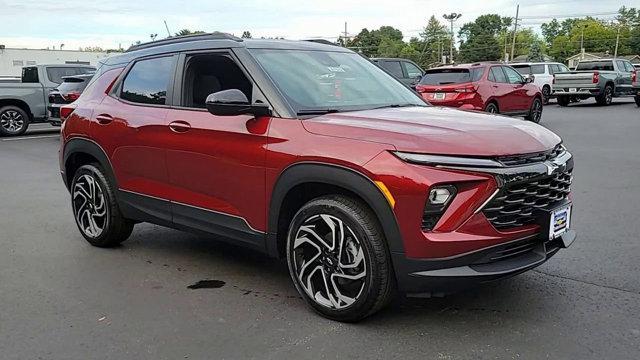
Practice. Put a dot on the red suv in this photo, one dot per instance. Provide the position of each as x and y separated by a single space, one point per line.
489 87
310 153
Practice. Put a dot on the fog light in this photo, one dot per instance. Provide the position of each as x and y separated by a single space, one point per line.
439 196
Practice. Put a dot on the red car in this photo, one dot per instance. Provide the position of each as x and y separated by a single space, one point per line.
310 153
489 87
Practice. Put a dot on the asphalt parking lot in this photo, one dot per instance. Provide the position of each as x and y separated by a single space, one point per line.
63 299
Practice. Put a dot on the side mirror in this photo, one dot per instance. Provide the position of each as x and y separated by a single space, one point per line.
234 102
529 78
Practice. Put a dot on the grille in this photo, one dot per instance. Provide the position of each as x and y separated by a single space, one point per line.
516 203
531 158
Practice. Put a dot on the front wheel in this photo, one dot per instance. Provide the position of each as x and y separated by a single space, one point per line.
535 113
95 209
492 108
13 121
338 258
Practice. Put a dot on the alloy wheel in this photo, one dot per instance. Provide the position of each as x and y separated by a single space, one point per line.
608 96
329 261
12 121
89 206
536 111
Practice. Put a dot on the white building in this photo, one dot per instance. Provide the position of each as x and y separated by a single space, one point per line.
12 60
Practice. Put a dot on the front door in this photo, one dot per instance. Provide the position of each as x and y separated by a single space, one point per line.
216 163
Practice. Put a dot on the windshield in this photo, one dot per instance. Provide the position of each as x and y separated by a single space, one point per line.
332 81
55 74
451 76
595 65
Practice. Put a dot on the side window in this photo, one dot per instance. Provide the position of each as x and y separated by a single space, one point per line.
209 73
629 66
563 68
412 70
148 80
476 74
537 69
621 66
513 76
30 75
394 68
497 75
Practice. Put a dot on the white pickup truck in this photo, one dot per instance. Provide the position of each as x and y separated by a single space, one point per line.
24 101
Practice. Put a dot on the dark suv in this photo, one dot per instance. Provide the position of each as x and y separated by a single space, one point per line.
311 153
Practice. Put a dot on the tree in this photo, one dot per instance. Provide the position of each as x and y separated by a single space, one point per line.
434 38
184 32
246 35
481 47
535 52
368 42
550 31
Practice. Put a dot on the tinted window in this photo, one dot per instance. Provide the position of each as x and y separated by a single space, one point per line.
497 75
595 65
412 70
55 74
450 76
513 76
148 80
621 66
394 68
332 80
537 69
30 75
74 83
523 69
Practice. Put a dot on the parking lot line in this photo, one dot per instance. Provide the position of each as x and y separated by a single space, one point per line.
31 137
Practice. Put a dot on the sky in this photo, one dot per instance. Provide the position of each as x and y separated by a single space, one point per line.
114 23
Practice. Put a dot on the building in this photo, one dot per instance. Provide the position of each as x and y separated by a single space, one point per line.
12 60
573 60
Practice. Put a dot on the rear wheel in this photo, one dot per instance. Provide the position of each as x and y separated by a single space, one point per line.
637 99
535 113
13 121
606 97
546 93
492 108
563 100
95 209
338 259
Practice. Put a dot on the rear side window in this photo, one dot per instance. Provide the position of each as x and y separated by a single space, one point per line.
450 76
497 75
55 74
595 65
148 80
523 69
30 75
73 84
412 70
394 67
629 66
537 69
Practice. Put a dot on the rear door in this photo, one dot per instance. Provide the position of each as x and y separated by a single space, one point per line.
131 124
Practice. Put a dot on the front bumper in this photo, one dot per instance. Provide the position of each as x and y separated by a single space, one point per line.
439 277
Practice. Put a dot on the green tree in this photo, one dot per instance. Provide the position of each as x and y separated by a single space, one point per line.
434 41
550 30
535 52
368 42
184 32
481 47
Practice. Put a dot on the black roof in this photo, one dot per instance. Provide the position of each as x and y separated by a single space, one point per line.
215 40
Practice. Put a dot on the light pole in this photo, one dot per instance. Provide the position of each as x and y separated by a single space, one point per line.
451 18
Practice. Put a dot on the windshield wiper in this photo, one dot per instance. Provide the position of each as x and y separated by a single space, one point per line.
396 106
303 112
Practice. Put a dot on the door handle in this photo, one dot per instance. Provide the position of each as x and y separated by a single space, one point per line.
104 119
179 126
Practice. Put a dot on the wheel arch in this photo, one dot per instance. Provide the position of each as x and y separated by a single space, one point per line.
81 151
299 177
18 103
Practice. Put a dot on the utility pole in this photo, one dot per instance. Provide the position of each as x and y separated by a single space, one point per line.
451 18
167 27
515 32
582 42
346 35
615 54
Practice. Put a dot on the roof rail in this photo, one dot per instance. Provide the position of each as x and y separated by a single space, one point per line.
321 41
216 35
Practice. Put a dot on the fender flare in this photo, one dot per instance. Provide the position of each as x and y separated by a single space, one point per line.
336 175
85 146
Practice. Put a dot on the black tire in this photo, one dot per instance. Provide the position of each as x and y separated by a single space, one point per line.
365 245
492 108
546 93
95 209
637 99
13 121
606 97
563 100
535 113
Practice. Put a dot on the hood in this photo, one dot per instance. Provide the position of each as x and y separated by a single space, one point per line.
437 130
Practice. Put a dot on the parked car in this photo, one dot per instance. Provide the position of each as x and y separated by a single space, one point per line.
66 93
25 102
542 74
603 79
311 153
404 70
489 87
